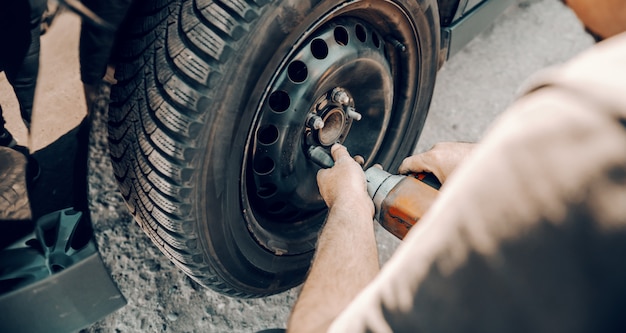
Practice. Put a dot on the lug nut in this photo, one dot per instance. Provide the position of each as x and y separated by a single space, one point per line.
353 114
316 122
340 96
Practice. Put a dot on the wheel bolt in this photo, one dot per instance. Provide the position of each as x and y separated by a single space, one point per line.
340 96
316 122
353 114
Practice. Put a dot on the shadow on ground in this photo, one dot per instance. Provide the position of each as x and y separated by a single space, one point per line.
63 180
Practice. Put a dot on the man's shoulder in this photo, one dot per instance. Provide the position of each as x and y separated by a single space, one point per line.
598 73
604 61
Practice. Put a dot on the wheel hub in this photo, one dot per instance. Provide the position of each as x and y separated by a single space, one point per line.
330 119
335 122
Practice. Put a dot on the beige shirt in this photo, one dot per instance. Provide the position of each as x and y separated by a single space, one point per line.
529 234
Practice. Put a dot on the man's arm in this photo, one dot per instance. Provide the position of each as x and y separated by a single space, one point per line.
347 258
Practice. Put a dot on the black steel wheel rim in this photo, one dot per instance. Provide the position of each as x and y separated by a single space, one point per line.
349 63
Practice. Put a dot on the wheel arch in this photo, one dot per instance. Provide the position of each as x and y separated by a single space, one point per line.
448 10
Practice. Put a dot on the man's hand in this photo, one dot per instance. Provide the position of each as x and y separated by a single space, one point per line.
344 184
441 160
346 259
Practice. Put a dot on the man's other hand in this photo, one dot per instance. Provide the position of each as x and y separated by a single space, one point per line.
344 183
441 160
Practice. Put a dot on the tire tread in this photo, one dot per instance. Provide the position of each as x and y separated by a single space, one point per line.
172 57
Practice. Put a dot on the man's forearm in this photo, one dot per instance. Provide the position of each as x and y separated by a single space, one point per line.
345 262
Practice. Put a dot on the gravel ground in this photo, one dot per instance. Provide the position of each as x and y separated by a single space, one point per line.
472 89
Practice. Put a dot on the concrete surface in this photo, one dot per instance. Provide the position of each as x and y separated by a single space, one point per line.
472 89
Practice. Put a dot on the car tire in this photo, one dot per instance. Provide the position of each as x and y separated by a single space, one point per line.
211 122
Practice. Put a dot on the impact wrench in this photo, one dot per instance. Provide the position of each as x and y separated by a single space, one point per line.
400 201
